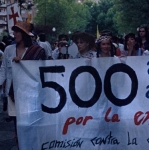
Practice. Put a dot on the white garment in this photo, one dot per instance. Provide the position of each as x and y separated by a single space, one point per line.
121 47
73 49
145 53
11 107
6 67
55 53
1 54
88 54
6 74
47 47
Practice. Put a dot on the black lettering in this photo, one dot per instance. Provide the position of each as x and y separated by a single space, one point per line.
98 87
55 86
42 147
107 84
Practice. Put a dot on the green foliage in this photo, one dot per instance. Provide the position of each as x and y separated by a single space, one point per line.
119 16
102 14
64 15
131 14
106 16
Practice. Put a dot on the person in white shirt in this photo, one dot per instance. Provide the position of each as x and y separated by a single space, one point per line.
62 47
46 45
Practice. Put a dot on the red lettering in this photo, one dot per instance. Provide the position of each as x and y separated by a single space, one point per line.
146 118
115 118
69 121
107 113
79 120
136 117
86 119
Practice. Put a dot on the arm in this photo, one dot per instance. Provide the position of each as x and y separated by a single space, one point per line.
3 68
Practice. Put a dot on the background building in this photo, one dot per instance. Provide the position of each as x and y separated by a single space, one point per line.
26 10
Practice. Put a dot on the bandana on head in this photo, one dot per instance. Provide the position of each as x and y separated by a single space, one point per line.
101 38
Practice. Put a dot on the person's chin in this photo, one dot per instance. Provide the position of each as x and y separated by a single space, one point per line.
106 51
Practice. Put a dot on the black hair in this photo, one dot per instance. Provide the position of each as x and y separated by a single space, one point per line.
131 35
146 31
85 37
146 36
25 37
42 37
2 46
63 36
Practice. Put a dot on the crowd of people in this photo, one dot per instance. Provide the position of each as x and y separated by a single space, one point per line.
27 45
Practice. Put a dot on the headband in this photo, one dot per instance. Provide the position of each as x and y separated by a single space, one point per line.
104 38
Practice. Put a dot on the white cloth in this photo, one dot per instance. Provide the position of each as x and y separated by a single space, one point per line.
6 74
145 53
55 53
87 54
11 107
121 47
6 67
47 47
73 49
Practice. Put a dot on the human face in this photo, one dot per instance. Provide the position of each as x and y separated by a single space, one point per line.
131 41
17 36
142 32
105 46
82 46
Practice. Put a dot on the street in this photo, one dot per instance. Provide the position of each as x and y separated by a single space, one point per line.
7 141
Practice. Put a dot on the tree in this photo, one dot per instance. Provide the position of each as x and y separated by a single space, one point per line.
102 14
106 16
94 11
64 15
131 14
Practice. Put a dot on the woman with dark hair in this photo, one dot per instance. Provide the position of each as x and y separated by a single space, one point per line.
143 37
23 50
131 45
85 43
105 47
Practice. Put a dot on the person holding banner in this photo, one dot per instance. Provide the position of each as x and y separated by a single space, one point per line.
86 44
106 48
131 45
23 50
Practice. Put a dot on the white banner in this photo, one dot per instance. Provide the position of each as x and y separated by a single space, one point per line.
13 15
82 104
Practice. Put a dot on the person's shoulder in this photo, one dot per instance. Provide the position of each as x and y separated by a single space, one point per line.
42 44
10 47
1 52
33 46
93 53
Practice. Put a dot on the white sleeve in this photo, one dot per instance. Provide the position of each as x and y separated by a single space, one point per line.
55 53
49 49
3 68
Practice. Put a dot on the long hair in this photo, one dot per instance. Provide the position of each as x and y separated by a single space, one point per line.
146 36
112 50
25 37
146 32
